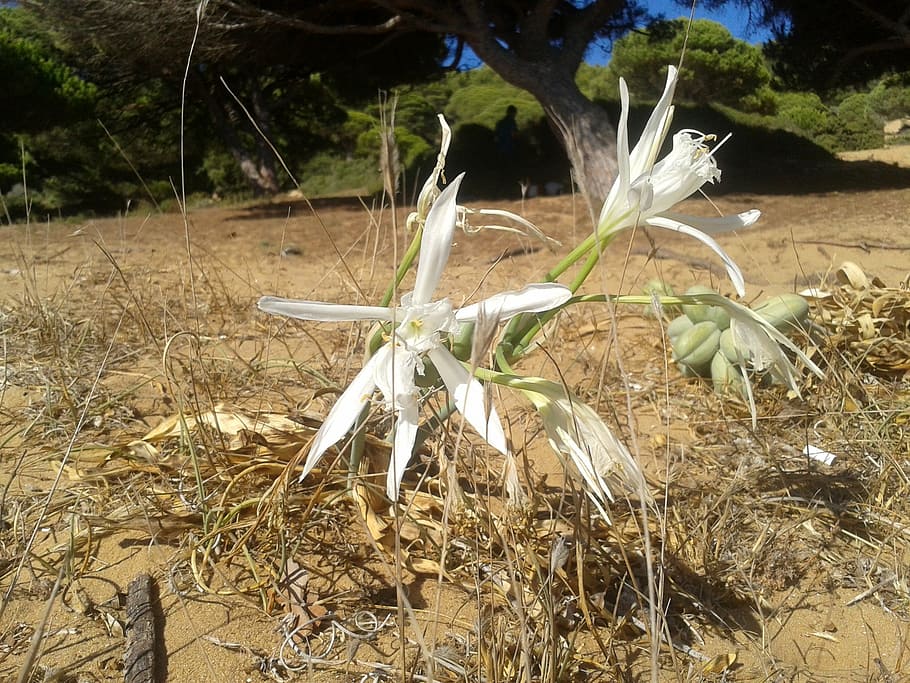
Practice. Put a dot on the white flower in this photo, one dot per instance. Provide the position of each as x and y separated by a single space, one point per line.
576 431
646 189
419 326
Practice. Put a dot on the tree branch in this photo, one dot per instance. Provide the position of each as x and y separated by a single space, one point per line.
268 17
898 27
581 31
534 27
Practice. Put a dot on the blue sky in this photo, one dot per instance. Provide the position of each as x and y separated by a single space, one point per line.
734 18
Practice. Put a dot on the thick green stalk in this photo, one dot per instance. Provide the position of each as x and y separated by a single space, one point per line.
406 261
375 340
521 330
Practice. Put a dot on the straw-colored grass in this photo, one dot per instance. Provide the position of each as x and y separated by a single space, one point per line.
493 587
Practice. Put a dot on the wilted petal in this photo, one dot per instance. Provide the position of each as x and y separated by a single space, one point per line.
732 269
318 310
761 343
717 225
534 298
346 409
530 230
436 242
575 430
763 352
430 189
470 399
403 447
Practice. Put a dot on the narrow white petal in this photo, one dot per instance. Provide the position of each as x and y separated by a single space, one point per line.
469 398
721 224
563 443
620 189
346 409
532 230
436 242
652 137
318 310
732 269
403 448
534 298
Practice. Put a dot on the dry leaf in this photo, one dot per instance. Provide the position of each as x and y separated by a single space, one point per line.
719 663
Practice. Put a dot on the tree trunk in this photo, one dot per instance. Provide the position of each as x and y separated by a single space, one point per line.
583 127
588 136
257 165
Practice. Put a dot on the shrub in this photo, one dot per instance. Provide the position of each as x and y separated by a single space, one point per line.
805 111
858 126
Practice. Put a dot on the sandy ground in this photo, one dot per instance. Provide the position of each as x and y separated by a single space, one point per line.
282 248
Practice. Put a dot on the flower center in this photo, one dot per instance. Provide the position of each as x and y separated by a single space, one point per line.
421 324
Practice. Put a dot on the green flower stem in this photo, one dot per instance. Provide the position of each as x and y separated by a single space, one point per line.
508 351
404 266
463 342
502 360
358 443
376 338
599 238
522 329
507 379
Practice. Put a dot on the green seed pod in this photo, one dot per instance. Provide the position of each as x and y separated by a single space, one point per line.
700 312
725 375
728 346
719 316
660 288
677 326
785 312
695 347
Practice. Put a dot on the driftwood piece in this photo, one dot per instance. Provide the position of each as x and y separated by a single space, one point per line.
139 665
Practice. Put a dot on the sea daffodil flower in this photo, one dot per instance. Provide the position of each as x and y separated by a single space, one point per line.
575 431
419 327
646 189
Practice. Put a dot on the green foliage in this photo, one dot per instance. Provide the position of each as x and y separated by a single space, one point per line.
805 112
850 121
9 175
39 90
327 174
859 127
223 173
890 96
718 69
480 98
598 83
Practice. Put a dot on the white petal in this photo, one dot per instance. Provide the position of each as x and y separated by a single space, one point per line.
732 269
532 299
469 398
436 242
346 409
403 448
715 226
652 137
620 189
318 310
